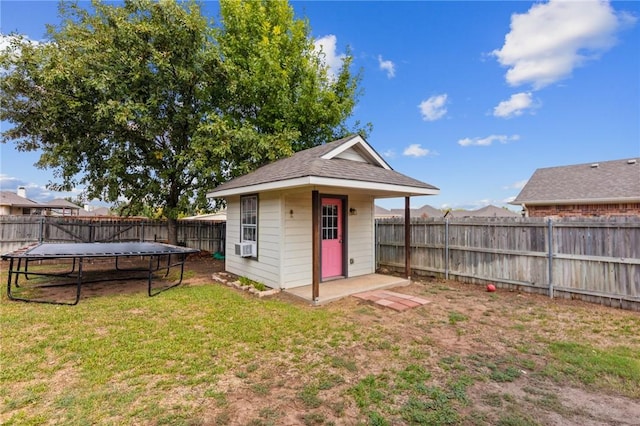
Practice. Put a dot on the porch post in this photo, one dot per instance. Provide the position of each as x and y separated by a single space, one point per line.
407 237
315 242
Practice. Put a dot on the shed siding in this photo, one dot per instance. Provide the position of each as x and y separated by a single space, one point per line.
267 267
296 268
284 233
361 247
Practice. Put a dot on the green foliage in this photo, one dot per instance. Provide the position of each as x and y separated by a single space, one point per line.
149 102
255 284
115 100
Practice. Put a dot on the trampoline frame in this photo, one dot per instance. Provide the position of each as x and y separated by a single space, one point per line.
78 252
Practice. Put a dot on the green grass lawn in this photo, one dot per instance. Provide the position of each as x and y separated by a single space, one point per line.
192 354
116 359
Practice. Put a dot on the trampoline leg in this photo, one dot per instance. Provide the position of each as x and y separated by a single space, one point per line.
17 272
79 282
9 279
168 268
26 269
166 274
151 274
181 271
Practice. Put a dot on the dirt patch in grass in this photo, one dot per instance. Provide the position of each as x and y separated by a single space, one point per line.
486 355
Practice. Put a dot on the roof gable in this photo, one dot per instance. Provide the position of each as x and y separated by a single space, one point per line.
356 149
349 163
606 181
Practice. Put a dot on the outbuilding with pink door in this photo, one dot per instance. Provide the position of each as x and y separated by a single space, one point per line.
309 218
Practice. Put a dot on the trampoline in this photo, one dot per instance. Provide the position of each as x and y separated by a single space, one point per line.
161 258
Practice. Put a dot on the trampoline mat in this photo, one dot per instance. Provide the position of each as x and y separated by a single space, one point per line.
55 250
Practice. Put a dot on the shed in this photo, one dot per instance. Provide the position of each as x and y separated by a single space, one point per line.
309 218
605 188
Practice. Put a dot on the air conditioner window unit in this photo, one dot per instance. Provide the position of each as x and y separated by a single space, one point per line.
246 249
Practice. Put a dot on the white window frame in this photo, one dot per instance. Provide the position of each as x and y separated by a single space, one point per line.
249 218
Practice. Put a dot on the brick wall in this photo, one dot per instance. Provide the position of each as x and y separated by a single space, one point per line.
621 209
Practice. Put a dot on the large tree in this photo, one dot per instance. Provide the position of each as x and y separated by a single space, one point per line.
151 105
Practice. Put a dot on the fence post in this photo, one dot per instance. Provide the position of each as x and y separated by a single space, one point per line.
41 231
550 256
446 248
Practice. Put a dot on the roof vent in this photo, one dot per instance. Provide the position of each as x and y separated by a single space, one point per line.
632 161
595 165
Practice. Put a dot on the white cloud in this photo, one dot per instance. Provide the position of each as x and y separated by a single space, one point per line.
415 150
35 192
488 141
326 48
516 185
549 41
389 153
387 66
516 105
433 108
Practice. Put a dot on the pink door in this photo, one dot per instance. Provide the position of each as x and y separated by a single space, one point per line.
331 235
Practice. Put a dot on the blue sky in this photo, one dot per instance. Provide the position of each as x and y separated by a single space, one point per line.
471 97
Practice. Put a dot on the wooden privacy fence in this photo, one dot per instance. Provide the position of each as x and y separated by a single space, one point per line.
594 259
19 231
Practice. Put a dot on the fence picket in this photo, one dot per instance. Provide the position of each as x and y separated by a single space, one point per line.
597 259
20 231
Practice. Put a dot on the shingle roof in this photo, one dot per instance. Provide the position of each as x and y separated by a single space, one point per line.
310 163
61 203
486 211
8 198
422 212
606 181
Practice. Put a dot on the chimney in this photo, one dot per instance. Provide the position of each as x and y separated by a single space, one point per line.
87 208
22 191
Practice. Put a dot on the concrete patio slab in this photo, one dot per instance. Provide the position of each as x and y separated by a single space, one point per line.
341 288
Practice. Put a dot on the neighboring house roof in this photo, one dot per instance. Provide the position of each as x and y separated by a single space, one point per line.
349 163
8 198
424 211
99 211
486 211
60 203
493 211
427 211
603 182
381 212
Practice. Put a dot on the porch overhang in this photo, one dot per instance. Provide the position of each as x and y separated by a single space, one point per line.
376 189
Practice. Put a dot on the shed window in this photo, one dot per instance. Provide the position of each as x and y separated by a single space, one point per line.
249 218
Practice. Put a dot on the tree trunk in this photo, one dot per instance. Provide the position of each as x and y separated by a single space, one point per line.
172 230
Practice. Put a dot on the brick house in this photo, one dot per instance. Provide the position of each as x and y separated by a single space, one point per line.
607 188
